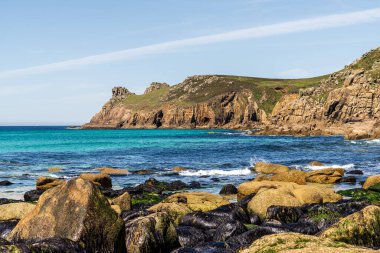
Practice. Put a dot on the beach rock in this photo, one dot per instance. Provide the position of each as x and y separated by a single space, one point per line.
8 201
113 171
245 239
228 189
295 242
15 211
143 172
54 169
284 214
33 195
197 201
92 222
178 169
103 180
189 236
152 233
45 183
355 172
270 168
371 180
349 180
194 185
295 176
124 201
361 228
325 176
6 227
175 210
315 163
228 230
5 183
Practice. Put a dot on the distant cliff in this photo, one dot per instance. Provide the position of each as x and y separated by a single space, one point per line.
346 102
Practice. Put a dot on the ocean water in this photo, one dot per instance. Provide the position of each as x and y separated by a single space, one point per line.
213 157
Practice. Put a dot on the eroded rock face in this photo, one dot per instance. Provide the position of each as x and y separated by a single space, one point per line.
77 211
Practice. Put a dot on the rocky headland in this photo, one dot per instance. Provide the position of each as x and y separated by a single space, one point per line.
280 210
346 103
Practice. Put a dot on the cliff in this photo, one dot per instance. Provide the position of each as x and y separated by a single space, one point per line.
346 102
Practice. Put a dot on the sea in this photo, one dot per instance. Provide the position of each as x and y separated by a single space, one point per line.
211 157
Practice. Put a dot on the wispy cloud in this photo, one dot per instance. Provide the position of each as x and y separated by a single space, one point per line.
311 24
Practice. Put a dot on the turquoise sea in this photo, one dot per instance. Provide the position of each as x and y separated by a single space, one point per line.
213 157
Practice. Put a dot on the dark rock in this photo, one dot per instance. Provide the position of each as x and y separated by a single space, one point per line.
232 211
108 192
215 179
133 214
33 195
284 214
4 201
5 183
350 180
6 227
194 184
191 236
247 238
202 220
210 247
55 245
355 172
228 189
300 227
227 230
143 172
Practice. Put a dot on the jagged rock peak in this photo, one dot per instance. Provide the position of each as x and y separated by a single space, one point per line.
120 92
156 86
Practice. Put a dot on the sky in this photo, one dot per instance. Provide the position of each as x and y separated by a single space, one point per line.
60 59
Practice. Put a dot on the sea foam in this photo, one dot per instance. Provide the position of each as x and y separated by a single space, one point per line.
238 172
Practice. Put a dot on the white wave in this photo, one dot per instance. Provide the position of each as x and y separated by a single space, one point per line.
337 166
375 141
192 173
256 159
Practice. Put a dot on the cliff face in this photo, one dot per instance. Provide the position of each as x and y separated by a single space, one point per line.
345 103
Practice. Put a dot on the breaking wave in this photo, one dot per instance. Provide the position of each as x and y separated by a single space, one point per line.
238 172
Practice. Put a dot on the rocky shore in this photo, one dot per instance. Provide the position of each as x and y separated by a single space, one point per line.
280 210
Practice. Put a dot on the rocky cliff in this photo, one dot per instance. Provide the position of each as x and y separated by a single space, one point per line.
346 102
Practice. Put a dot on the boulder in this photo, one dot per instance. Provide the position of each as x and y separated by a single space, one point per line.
228 189
113 171
75 210
5 183
6 227
371 180
270 168
143 172
152 233
197 201
102 179
178 169
33 195
295 176
325 176
15 211
355 172
375 188
124 201
191 236
315 163
294 242
175 210
54 169
361 228
45 183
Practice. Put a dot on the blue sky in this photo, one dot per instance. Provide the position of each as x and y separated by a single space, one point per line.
60 59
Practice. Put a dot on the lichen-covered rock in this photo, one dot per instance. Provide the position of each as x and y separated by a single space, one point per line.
175 210
150 234
77 211
297 243
325 176
101 179
15 211
124 201
45 183
371 180
197 201
270 168
361 228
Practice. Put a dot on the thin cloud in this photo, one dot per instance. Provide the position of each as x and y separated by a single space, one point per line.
311 24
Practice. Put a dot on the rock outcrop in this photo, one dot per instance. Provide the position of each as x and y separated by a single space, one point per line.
346 103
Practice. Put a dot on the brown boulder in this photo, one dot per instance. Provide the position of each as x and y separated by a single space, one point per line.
75 210
270 168
295 176
325 176
54 169
315 163
113 171
45 183
175 210
15 211
178 169
99 179
371 181
124 201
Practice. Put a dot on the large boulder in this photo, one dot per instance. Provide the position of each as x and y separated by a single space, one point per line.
113 171
371 181
33 195
295 176
77 211
228 189
152 233
325 176
124 201
15 211
268 193
270 168
361 228
197 201
103 180
45 183
175 210
297 243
